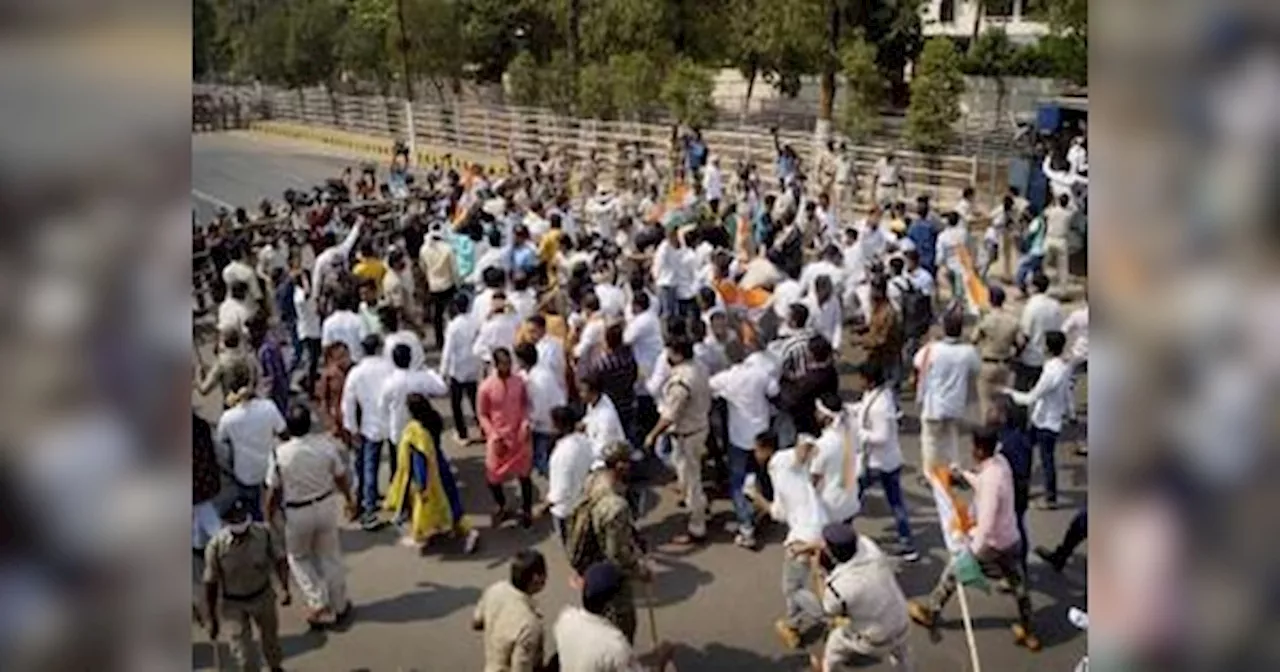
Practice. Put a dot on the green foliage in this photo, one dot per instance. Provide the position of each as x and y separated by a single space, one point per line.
620 26
863 91
992 55
595 92
557 84
311 52
1065 57
368 40
935 97
686 93
522 79
635 78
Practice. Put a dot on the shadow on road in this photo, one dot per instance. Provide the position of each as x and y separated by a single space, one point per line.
420 605
720 657
293 645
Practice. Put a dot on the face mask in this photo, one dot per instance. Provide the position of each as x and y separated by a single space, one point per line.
238 528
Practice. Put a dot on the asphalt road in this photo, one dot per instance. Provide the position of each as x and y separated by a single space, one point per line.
718 603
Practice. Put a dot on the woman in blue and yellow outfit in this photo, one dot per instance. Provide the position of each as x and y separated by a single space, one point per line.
422 490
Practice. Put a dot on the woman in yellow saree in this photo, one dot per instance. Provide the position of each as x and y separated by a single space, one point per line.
423 491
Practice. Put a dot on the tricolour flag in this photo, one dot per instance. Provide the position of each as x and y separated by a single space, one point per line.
953 515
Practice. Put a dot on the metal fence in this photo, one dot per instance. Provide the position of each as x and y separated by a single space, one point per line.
499 132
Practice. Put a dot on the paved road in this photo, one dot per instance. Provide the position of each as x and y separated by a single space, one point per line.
718 603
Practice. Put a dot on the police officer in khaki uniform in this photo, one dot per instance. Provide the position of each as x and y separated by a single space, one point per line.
239 561
685 411
996 337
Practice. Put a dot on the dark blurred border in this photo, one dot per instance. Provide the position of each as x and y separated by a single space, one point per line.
1185 136
94 180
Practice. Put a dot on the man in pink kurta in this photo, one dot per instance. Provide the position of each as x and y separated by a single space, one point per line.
503 411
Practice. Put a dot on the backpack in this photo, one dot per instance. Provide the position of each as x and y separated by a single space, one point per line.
917 311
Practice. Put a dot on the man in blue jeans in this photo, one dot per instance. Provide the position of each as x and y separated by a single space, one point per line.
746 388
1050 402
362 417
876 418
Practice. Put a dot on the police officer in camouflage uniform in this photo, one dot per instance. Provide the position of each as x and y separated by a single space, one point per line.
239 561
602 530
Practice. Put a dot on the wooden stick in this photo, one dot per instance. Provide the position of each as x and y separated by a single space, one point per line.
653 619
968 629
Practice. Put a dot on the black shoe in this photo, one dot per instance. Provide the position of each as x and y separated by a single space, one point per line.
1051 558
526 521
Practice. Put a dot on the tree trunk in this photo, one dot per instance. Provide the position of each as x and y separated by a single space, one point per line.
575 42
404 52
746 102
827 88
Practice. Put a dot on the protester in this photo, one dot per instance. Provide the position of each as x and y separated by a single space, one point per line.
503 408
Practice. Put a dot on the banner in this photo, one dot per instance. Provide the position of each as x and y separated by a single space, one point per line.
953 514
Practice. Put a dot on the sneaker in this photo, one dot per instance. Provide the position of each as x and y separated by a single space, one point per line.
789 635
1050 558
746 540
922 615
473 538
1046 505
909 554
370 522
1024 637
1078 618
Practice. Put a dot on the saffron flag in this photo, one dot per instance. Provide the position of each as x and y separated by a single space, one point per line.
976 297
953 515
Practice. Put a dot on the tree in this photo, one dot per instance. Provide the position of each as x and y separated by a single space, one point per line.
1066 49
686 92
434 50
312 48
864 89
557 83
595 92
611 27
522 79
935 97
368 43
634 76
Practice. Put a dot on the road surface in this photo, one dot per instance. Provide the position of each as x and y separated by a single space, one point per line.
718 603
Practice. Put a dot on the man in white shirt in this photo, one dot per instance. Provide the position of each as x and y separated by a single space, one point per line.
330 262
308 326
544 394
666 273
644 334
945 368
390 319
872 241
876 418
591 338
393 394
825 314
482 307
236 312
831 264
1049 401
567 470
239 270
953 238
713 184
746 389
246 434
550 352
601 423
835 462
344 325
497 331
458 363
796 503
587 641
1041 314
363 416
440 268
1078 156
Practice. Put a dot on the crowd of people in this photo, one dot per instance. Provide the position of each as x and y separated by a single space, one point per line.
602 332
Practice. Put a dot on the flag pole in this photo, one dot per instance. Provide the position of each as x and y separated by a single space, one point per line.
968 629
653 619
